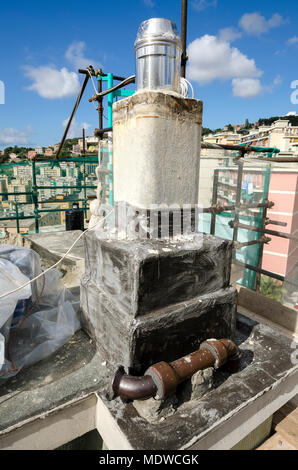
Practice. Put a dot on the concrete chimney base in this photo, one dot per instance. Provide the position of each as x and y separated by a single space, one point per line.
144 301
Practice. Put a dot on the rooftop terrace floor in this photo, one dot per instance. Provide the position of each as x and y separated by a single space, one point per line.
63 397
76 376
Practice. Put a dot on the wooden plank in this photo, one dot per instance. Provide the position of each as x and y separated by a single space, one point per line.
276 442
254 438
287 317
282 413
288 428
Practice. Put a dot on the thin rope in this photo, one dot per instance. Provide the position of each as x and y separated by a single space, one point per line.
59 261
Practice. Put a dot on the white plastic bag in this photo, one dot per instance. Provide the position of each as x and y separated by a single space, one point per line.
52 317
10 278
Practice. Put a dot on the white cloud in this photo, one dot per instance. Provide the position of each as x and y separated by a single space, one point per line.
75 128
255 23
11 136
149 3
211 58
293 40
75 55
251 87
229 34
52 83
291 113
246 87
277 81
200 5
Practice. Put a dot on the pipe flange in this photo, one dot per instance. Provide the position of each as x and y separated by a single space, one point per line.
218 350
234 362
164 377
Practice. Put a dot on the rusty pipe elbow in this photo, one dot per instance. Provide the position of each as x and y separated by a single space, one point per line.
132 387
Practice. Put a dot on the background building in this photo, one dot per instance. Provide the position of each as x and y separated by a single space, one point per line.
281 135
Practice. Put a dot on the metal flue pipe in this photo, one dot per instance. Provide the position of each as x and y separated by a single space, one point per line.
162 378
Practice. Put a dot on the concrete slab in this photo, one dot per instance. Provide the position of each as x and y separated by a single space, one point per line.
238 404
60 242
51 246
70 374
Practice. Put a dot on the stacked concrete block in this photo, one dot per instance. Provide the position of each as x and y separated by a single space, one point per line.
145 301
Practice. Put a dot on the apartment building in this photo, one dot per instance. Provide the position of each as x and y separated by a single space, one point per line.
31 154
39 150
90 168
76 149
50 190
281 134
281 254
19 186
91 143
224 138
48 172
3 186
72 171
22 172
48 152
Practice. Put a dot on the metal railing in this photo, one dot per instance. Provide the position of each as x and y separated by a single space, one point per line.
215 210
34 193
260 221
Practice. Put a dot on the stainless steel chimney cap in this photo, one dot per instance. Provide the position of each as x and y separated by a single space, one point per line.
158 55
158 29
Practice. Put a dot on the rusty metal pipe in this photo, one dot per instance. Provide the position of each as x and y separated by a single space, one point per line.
275 233
162 378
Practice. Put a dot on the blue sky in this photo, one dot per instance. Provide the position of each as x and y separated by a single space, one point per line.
243 58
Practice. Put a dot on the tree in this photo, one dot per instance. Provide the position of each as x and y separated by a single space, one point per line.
269 121
272 288
4 159
206 131
247 125
243 131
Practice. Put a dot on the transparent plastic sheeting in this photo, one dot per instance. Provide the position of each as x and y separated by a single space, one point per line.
52 311
260 181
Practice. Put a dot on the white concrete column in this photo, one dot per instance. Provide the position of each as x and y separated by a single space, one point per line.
156 149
